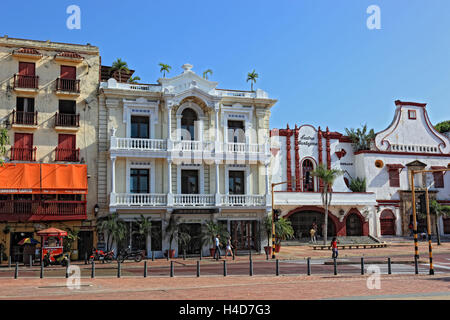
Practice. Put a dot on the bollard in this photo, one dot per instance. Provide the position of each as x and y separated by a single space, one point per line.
153 255
31 260
200 254
41 275
171 269
224 268
362 266
145 269
389 266
9 262
85 257
184 254
167 255
198 268
234 253
16 271
335 267
308 266
250 254
93 269
277 267
119 269
416 265
251 268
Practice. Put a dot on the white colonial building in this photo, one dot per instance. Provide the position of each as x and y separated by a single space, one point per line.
409 143
184 147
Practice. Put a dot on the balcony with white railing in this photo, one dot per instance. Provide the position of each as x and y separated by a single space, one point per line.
240 200
138 144
244 148
194 200
193 145
113 84
138 199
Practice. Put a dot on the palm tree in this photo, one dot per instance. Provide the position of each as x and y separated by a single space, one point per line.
327 176
164 68
134 79
283 230
252 76
206 72
440 211
119 66
144 227
361 138
114 227
4 141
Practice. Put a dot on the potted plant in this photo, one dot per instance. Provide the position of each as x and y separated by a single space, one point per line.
171 231
184 239
283 231
267 224
210 230
144 230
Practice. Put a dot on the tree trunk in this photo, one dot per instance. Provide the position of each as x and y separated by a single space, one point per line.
438 233
325 232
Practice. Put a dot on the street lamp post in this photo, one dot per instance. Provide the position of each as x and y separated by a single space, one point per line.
273 225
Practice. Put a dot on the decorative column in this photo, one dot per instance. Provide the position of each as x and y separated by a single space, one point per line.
169 105
319 139
268 195
217 140
112 199
169 183
328 150
288 158
297 161
217 184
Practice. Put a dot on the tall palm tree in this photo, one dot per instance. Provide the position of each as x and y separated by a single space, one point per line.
114 227
119 66
361 138
134 80
327 176
206 72
144 227
252 76
164 68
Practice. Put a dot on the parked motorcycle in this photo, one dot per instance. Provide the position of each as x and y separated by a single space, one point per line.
57 259
128 254
100 255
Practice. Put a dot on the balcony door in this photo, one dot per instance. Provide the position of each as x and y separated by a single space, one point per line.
23 147
27 72
140 127
67 113
66 150
243 234
68 76
24 110
236 182
188 119
308 179
140 181
189 182
236 131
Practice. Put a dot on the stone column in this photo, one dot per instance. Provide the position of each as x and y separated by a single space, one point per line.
169 183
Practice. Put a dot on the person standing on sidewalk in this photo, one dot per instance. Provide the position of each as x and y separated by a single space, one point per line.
334 248
229 248
312 232
217 251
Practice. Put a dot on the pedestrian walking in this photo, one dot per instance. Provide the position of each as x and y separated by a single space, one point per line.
217 251
411 229
312 232
334 248
229 248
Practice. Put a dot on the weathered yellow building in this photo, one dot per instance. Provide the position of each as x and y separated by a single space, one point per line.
183 147
49 106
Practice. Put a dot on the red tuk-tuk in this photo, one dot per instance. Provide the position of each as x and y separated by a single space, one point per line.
52 251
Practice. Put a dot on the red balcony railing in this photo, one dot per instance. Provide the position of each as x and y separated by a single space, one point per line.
21 117
71 155
67 120
27 82
70 85
39 207
23 154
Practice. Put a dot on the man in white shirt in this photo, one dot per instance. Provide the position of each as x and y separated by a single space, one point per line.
217 251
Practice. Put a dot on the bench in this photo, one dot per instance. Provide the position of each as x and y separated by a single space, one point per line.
351 246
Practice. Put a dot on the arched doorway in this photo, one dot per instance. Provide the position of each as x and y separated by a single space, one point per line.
302 222
387 223
353 225
308 179
188 118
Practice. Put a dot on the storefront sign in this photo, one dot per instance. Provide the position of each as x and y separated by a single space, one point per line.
307 141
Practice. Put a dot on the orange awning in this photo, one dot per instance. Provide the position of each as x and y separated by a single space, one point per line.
43 178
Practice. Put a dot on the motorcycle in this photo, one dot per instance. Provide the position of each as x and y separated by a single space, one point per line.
100 255
57 259
128 254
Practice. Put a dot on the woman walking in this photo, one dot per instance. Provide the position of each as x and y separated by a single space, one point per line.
229 248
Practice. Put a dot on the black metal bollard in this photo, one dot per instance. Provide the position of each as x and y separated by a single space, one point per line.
200 254
362 266
145 269
153 255
85 258
41 275
389 266
171 269
251 268
308 266
234 253
198 268
184 254
277 267
224 268
93 270
335 267
416 265
9 262
16 271
119 269
31 260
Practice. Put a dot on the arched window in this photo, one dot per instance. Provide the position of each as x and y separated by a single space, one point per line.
188 118
308 179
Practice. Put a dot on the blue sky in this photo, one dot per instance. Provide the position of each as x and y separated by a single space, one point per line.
317 57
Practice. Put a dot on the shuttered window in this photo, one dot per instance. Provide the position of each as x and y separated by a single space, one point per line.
394 178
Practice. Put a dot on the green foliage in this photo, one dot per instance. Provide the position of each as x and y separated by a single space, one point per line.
119 66
206 72
361 138
114 227
267 225
211 229
164 68
252 76
283 230
443 126
4 141
439 209
134 80
68 241
326 176
358 185
184 239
